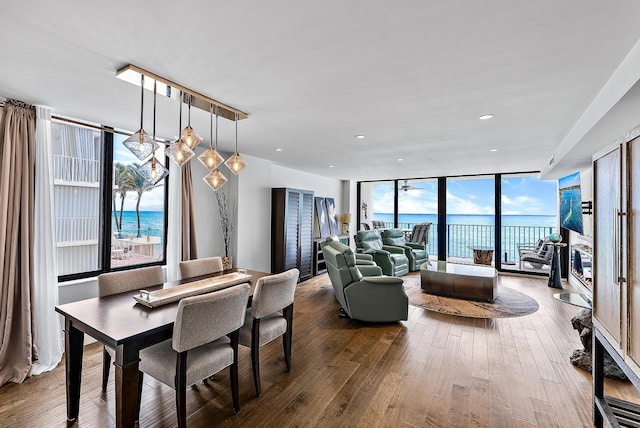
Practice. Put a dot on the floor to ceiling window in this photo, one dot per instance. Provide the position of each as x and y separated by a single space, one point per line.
377 205
470 218
529 207
418 203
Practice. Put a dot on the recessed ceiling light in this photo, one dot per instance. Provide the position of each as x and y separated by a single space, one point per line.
330 166
493 150
278 149
360 136
486 116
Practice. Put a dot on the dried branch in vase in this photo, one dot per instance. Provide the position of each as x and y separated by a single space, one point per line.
225 207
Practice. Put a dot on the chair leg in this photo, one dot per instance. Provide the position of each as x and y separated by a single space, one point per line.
140 382
288 335
233 372
181 389
106 366
255 354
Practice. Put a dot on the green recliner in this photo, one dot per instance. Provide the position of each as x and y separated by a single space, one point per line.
363 261
391 259
416 253
364 298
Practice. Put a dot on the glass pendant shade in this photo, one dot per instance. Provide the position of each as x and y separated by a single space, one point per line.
215 179
179 152
153 171
211 159
236 163
190 137
141 144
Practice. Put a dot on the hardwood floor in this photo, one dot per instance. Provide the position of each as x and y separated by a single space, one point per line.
431 371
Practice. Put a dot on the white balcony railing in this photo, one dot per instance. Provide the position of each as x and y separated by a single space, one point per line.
74 169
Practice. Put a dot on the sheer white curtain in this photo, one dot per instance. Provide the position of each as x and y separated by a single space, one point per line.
45 265
174 229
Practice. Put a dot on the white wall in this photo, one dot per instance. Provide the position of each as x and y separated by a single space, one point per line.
322 186
209 241
254 215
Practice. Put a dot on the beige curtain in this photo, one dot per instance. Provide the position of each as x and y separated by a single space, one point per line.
17 165
189 249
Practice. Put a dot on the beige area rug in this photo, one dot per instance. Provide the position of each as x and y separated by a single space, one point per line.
509 303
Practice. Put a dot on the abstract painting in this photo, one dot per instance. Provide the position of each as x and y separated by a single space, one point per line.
331 216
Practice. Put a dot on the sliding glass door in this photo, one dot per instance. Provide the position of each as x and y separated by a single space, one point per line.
471 219
418 203
528 206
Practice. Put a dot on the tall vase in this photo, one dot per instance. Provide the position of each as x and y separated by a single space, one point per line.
227 262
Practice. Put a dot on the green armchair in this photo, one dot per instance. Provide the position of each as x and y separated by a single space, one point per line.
391 259
416 253
364 261
364 298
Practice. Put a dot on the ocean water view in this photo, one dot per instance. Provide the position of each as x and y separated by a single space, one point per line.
464 232
151 222
477 219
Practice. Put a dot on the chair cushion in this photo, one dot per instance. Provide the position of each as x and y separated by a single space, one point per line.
271 327
159 361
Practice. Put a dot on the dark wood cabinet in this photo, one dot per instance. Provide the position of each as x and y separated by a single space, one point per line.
292 231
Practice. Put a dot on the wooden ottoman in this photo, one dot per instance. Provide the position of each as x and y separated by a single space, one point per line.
459 281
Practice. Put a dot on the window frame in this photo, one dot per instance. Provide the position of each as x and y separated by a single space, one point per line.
106 217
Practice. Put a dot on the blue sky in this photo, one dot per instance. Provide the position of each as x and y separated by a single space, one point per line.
520 196
152 200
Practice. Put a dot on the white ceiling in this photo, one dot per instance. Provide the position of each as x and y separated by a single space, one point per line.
413 76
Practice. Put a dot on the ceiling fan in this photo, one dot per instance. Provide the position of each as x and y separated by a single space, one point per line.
406 186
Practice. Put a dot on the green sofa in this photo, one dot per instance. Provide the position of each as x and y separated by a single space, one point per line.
364 298
416 253
391 259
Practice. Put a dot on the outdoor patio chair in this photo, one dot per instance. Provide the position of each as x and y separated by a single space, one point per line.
538 255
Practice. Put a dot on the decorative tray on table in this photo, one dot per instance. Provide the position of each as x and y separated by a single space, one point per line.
169 295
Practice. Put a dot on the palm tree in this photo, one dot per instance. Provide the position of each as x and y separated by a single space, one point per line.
138 183
121 185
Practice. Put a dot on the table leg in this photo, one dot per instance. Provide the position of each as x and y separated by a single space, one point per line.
126 374
73 345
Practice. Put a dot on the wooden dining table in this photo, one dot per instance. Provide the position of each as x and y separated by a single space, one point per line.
127 326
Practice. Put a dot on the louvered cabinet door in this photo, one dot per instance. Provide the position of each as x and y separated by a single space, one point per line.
292 231
607 258
306 236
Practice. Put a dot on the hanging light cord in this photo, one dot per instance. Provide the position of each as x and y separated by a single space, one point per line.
141 100
217 111
155 83
236 133
211 125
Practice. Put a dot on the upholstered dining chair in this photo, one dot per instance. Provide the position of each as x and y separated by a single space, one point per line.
120 282
191 268
264 322
205 341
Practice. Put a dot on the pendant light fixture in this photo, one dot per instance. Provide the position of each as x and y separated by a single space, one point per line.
189 135
210 158
178 151
236 163
215 179
140 144
153 171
